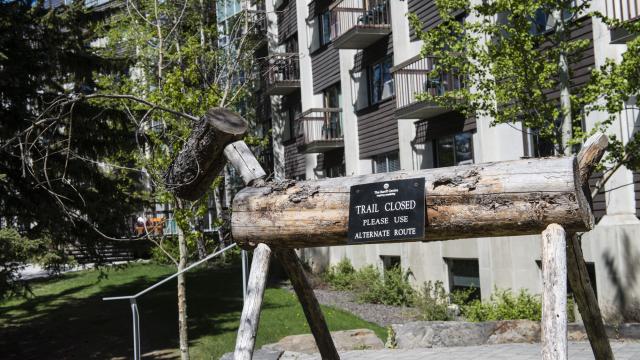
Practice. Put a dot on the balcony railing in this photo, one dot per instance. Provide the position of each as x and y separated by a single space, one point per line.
416 77
356 24
282 74
623 10
320 130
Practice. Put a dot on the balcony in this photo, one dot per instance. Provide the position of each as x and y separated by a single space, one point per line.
356 24
320 130
623 10
282 74
415 77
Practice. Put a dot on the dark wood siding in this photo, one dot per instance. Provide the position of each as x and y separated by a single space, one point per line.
580 66
317 6
378 129
373 53
287 21
599 203
442 125
294 162
427 12
325 65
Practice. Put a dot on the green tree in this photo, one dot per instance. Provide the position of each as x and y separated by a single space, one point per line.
175 59
516 54
54 179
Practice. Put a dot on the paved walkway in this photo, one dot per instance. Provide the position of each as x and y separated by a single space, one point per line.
577 351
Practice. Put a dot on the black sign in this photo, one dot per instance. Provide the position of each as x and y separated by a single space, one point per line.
387 211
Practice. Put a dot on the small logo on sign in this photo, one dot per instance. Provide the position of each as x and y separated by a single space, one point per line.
386 186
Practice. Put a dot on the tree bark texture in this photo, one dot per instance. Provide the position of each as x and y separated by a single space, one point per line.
191 173
586 299
182 298
493 199
250 317
592 151
317 323
554 294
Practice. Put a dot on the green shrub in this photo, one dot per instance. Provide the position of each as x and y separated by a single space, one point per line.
369 285
340 276
393 288
504 305
432 302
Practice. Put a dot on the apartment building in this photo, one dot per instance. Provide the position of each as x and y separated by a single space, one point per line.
342 77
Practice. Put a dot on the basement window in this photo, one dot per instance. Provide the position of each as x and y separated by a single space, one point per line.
464 274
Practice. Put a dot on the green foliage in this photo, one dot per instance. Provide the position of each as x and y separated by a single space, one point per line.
369 285
513 67
54 153
392 288
432 301
340 276
14 252
504 305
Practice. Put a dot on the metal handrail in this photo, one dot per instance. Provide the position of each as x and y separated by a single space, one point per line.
281 67
133 298
347 14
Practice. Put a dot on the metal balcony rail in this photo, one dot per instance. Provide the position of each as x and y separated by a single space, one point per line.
623 10
257 20
282 72
133 298
320 125
348 14
417 77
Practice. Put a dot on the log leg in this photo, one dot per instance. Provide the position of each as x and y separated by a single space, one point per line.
554 294
586 299
253 302
292 265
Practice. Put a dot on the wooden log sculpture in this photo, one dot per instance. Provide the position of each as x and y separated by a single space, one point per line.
518 197
493 199
590 155
191 173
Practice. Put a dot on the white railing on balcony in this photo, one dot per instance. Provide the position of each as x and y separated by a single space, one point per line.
417 77
320 125
347 14
623 10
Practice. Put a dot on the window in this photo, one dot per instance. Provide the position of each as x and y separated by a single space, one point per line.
591 271
333 119
381 81
324 21
390 262
290 115
454 150
386 163
464 274
535 146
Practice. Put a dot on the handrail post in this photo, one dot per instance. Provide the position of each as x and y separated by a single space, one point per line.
136 329
244 274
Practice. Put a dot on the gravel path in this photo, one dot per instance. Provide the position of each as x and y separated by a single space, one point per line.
382 315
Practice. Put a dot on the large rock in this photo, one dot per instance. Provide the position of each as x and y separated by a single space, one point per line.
426 334
358 339
515 331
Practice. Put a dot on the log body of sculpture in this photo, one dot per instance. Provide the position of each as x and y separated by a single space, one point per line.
491 199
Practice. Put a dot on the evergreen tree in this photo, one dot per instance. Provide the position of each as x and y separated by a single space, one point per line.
55 179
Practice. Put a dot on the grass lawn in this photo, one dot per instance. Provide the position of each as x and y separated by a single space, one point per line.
66 319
